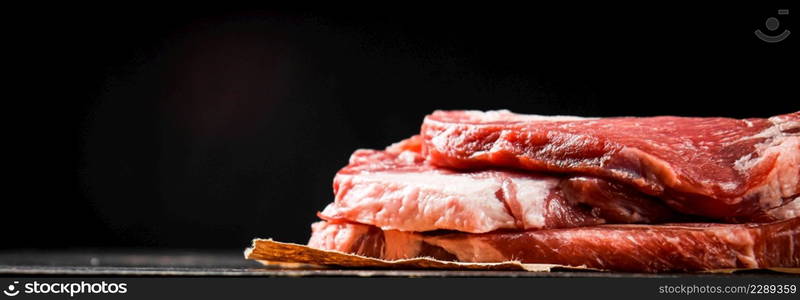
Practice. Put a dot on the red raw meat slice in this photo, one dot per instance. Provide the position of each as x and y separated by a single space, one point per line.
787 211
713 167
396 189
633 248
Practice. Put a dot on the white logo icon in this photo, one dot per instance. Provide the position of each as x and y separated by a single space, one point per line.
772 24
12 290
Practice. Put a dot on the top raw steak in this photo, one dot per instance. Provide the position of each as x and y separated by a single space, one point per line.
715 167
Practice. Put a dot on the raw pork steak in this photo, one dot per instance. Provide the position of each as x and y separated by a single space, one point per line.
714 167
634 248
396 189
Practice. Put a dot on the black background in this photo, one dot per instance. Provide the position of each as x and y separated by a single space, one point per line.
201 127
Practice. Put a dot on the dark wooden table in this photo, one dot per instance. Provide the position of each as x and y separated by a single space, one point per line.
232 263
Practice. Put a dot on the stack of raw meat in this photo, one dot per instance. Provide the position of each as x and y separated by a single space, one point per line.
628 194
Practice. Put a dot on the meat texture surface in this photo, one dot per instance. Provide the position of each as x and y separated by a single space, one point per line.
633 248
395 189
713 167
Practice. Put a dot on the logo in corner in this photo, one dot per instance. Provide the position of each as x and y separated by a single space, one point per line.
772 25
12 290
